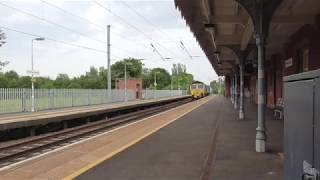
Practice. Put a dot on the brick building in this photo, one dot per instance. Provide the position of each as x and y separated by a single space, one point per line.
134 84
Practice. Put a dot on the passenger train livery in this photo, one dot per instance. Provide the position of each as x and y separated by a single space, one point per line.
199 90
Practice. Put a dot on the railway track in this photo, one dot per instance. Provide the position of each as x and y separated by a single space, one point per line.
12 153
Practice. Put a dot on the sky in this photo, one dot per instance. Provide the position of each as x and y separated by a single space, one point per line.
75 35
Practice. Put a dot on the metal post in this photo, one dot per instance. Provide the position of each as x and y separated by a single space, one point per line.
235 91
171 87
109 66
231 89
155 85
125 82
33 73
261 136
241 107
32 80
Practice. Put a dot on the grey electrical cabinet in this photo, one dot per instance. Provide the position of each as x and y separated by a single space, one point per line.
302 126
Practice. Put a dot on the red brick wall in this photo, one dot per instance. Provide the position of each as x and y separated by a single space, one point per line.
132 84
306 37
270 82
279 78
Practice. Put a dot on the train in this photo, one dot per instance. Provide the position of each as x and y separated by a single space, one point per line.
199 90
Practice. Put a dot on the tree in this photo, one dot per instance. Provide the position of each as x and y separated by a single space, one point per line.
178 69
2 42
182 80
11 75
62 81
3 81
215 86
24 82
3 64
74 85
146 78
134 68
12 79
163 78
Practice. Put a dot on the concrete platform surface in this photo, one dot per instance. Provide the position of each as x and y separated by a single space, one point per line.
17 120
235 156
208 143
69 162
180 151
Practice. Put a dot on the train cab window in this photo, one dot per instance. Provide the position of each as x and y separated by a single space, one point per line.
194 86
200 86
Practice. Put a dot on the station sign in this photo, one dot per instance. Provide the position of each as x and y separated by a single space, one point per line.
33 72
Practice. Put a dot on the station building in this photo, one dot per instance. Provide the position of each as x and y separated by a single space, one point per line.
259 46
134 84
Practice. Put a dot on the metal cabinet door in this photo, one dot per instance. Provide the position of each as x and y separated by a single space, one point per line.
298 127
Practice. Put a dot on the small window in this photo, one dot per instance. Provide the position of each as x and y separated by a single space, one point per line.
200 86
194 86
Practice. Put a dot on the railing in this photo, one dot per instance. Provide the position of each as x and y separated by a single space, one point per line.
19 100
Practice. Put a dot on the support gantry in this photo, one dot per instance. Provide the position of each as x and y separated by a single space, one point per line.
261 12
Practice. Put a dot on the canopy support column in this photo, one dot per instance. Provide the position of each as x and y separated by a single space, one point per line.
261 12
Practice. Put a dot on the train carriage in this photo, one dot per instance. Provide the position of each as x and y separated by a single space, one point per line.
199 90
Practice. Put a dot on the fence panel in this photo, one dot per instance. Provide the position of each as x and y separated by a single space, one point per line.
13 100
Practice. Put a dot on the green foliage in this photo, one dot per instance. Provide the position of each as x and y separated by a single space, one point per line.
182 80
96 78
162 77
215 86
134 68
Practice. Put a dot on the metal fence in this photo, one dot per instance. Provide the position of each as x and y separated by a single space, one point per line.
19 100
155 94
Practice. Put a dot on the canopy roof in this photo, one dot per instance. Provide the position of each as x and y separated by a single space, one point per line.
231 25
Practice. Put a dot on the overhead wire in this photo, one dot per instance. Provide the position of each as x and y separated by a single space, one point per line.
147 21
50 22
54 40
97 26
134 27
186 50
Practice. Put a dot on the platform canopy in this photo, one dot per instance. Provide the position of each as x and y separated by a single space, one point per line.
216 24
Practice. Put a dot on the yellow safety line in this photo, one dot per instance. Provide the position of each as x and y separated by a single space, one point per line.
97 162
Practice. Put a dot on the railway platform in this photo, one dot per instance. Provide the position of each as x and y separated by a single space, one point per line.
209 143
18 120
203 140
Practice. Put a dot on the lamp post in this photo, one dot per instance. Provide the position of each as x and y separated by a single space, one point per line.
33 72
155 84
171 86
125 82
